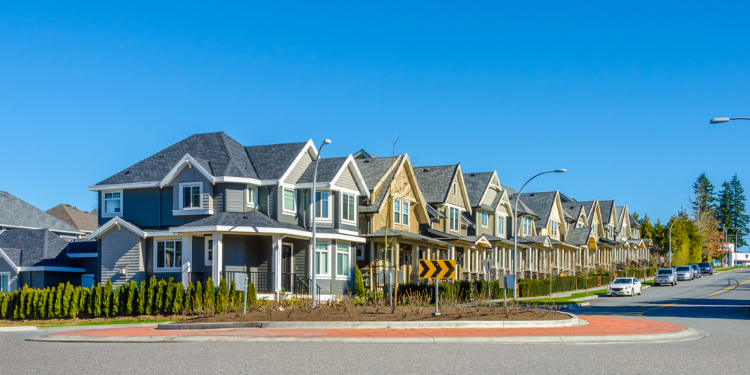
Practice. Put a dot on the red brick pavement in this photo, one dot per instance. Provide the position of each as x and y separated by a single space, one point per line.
599 326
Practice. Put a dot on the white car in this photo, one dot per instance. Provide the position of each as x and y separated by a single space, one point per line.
624 286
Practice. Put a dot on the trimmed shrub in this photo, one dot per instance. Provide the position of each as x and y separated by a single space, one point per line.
169 296
252 297
222 298
142 301
84 304
67 294
209 297
5 304
151 296
17 304
160 296
22 304
35 304
233 297
97 296
198 298
107 299
178 293
116 301
74 304
359 283
131 301
187 303
58 309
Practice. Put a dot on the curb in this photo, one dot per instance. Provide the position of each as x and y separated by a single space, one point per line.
18 329
572 322
686 334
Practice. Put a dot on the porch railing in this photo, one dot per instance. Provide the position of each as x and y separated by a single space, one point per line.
195 277
302 286
263 281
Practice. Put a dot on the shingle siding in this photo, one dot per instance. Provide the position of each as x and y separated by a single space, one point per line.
122 248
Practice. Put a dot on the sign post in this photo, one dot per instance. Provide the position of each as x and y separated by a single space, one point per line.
242 287
437 269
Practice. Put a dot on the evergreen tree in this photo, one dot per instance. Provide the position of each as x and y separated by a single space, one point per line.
75 302
84 304
703 190
252 297
116 301
359 283
740 218
178 294
724 209
142 298
169 296
37 304
59 301
67 294
198 298
4 305
97 295
151 297
222 297
131 301
209 297
17 304
160 297
187 302
22 303
51 303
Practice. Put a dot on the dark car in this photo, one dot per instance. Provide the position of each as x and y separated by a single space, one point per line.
696 271
706 268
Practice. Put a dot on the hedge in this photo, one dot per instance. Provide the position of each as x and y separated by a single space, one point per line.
152 298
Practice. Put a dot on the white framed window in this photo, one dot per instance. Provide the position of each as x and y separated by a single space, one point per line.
168 255
209 250
400 212
190 195
454 218
321 259
343 261
4 282
405 213
360 251
594 227
290 201
348 210
485 218
252 195
554 230
322 205
112 203
527 222
501 224
397 211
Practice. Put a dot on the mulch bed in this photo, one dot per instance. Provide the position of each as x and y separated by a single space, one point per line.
368 314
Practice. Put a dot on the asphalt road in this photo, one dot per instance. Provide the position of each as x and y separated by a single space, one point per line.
723 315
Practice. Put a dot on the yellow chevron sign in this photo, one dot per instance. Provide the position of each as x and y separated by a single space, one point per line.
437 269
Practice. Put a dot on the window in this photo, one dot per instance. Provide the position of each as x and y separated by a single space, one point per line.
360 251
169 254
113 203
209 250
321 259
527 226
580 225
454 216
190 195
289 200
321 205
501 224
405 213
343 266
454 188
485 219
347 209
567 225
252 195
594 226
397 211
4 282
554 232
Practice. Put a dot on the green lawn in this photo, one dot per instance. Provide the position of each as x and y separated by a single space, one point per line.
563 300
727 268
41 323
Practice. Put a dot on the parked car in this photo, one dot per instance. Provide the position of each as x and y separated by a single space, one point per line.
696 271
624 286
684 273
666 276
706 268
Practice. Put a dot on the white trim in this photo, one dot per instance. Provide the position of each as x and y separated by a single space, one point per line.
335 261
237 229
10 262
190 211
349 163
254 189
10 226
322 219
325 276
340 236
130 185
205 250
284 210
245 180
297 158
7 287
119 222
103 204
186 160
158 269
159 233
51 268
182 186
83 255
341 209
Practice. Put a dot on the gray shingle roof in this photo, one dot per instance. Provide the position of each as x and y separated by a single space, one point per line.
541 240
372 170
573 209
81 220
217 152
522 207
327 168
606 208
634 222
588 206
271 161
541 204
16 212
476 184
578 236
35 247
240 219
435 181
397 233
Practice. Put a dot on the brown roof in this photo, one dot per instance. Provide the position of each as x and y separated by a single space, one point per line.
81 220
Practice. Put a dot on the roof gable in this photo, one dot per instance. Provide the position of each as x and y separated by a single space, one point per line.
81 220
477 185
34 247
274 162
15 212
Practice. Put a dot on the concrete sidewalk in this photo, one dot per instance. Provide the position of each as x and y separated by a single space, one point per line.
599 330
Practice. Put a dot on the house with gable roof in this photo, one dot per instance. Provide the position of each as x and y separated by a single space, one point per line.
16 213
86 222
208 206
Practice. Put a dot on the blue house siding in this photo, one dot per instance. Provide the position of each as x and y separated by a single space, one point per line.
167 219
141 207
5 267
230 198
199 255
122 248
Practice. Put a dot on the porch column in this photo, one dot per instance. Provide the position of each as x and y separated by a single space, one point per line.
276 262
372 254
414 263
467 253
218 260
187 258
451 252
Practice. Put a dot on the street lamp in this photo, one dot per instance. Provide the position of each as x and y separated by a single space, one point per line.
515 229
314 285
719 120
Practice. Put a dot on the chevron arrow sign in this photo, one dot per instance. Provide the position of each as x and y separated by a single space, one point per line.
437 269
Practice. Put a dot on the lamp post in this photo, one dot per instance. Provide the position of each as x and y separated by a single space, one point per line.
313 284
515 229
719 120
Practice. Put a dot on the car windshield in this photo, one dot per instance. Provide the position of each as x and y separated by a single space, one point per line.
683 268
665 272
704 264
623 281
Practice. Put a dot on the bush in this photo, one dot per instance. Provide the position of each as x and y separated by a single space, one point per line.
209 297
222 297
142 301
22 304
17 304
131 302
198 298
6 304
74 302
252 297
359 284
161 296
151 297
67 294
178 293
187 302
84 304
36 304
115 310
533 288
97 297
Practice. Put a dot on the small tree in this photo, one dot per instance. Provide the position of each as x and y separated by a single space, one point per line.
252 297
151 296
198 298
17 304
36 303
74 302
59 294
84 304
130 302
116 301
359 283
67 294
169 296
178 294
22 304
4 305
222 297
209 297
187 303
107 299
142 300
160 297
97 295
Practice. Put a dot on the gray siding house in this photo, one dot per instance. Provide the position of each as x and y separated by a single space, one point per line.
208 206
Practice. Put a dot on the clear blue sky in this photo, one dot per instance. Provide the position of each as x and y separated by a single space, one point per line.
619 93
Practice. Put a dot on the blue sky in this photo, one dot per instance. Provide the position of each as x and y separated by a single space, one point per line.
619 93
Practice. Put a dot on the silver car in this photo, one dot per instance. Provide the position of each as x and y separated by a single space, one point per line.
665 276
684 273
696 271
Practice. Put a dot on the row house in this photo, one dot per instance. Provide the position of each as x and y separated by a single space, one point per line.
208 206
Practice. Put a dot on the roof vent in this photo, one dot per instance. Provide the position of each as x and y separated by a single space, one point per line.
472 175
244 217
127 172
366 161
425 170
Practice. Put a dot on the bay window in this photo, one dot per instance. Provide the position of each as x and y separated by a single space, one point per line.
112 203
343 266
168 254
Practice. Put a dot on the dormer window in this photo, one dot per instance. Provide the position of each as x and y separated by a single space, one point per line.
554 230
112 203
190 195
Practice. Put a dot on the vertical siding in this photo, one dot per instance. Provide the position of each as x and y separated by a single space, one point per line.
122 248
299 169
